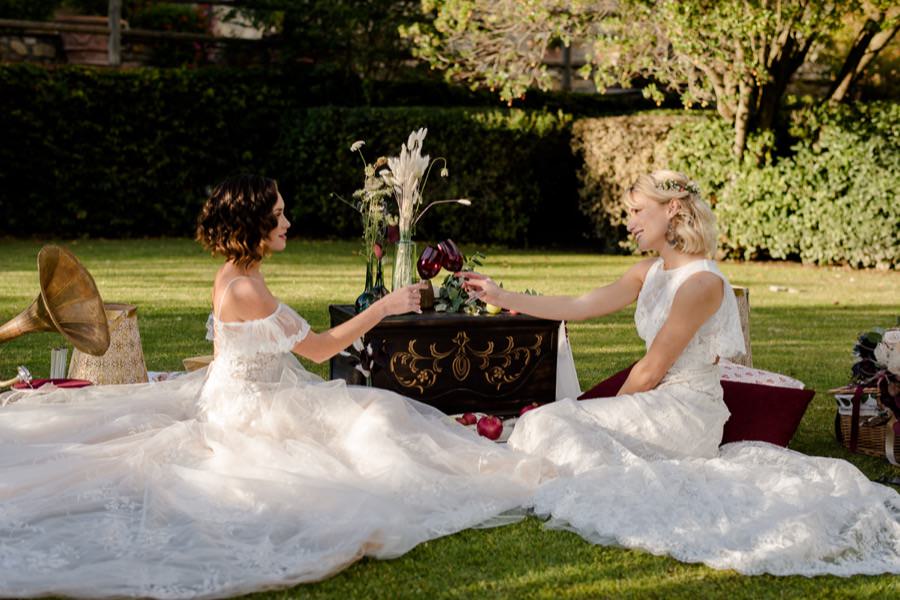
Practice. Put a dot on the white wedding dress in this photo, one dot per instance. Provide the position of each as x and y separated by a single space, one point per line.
254 474
645 470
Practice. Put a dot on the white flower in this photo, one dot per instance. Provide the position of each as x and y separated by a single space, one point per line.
464 202
888 356
445 172
357 145
407 170
891 337
893 364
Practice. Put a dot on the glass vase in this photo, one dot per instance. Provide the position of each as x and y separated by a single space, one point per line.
404 263
378 288
366 299
375 289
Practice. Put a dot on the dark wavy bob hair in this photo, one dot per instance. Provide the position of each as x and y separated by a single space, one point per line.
237 218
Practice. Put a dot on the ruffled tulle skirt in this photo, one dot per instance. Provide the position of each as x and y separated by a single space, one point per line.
643 471
137 491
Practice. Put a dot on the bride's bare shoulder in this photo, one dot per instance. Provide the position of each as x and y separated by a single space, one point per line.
640 269
242 298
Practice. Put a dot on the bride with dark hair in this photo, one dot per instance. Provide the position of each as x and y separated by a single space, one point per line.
254 474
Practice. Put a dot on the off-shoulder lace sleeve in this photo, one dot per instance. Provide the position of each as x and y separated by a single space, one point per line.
292 328
279 332
210 328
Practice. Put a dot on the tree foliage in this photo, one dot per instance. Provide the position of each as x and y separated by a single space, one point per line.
738 55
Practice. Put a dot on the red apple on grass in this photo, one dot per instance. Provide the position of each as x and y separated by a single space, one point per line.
467 419
490 427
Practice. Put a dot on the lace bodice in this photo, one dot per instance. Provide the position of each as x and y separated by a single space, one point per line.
251 349
251 357
720 336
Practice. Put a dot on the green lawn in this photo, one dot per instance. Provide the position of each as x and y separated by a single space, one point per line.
807 333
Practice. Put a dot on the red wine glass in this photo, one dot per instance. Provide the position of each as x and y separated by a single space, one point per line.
453 258
430 261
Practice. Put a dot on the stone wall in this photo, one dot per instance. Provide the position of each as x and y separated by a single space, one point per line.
35 48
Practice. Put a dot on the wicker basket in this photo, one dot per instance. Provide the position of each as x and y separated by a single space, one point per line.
875 434
123 361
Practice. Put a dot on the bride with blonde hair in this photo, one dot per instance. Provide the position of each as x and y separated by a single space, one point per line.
644 469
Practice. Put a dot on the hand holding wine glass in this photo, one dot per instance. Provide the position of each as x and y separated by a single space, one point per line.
481 287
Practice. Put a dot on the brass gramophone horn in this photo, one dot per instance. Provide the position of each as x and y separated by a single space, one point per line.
68 303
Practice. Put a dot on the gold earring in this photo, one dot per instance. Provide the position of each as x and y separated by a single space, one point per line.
671 237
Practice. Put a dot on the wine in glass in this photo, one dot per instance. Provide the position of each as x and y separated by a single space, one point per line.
452 257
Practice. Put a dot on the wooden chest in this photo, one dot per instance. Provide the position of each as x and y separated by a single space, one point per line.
459 363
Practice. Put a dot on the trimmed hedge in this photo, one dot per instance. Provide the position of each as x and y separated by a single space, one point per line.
832 201
613 152
514 165
90 152
132 153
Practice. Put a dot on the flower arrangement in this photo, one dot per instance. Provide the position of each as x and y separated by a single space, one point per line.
402 178
670 185
878 365
406 176
370 203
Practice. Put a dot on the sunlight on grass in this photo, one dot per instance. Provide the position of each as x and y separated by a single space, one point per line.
807 334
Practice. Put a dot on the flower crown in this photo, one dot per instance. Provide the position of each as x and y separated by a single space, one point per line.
670 185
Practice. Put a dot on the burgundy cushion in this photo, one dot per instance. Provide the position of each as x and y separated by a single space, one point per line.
763 413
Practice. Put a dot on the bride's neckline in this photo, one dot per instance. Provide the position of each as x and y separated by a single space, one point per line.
662 265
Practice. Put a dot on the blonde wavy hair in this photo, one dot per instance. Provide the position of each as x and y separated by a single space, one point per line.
692 229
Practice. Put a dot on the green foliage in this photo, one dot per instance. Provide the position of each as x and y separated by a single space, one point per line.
515 166
360 37
28 10
172 17
131 153
613 152
90 152
831 201
451 296
93 7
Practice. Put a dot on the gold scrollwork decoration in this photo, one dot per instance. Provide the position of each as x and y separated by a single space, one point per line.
498 367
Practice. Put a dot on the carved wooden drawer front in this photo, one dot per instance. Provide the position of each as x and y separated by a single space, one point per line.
460 363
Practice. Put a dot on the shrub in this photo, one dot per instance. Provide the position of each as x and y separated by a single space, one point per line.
131 153
831 201
613 152
846 166
28 10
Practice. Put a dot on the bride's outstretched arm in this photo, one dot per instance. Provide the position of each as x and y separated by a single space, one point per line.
696 300
596 303
320 347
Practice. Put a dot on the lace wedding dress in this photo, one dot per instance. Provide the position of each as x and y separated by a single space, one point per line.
251 475
645 470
